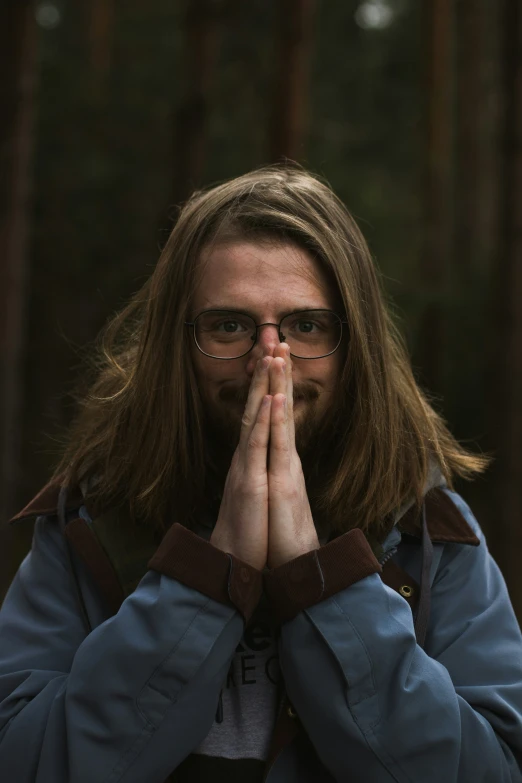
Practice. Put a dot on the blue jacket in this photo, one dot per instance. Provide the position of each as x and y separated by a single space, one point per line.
130 700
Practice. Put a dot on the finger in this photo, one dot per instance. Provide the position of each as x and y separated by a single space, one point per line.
279 443
279 350
289 396
277 373
257 446
259 387
281 383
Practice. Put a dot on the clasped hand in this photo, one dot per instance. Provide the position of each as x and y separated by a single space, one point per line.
265 516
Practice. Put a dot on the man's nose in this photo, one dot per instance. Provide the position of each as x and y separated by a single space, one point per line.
267 342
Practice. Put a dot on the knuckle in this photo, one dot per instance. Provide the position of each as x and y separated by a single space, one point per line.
280 447
246 420
255 442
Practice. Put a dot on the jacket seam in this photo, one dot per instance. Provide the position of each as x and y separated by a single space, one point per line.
131 753
462 556
158 690
373 692
405 778
318 563
164 662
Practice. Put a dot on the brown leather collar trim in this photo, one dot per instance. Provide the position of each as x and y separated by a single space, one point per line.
445 522
45 502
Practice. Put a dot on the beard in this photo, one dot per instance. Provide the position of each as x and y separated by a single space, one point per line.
318 439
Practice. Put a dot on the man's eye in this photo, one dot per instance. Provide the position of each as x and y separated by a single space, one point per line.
226 323
308 323
298 323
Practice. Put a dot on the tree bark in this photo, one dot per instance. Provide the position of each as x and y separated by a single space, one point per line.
473 175
437 190
203 30
18 62
101 24
288 122
506 380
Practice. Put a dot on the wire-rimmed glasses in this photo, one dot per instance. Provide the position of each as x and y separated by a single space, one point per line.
230 334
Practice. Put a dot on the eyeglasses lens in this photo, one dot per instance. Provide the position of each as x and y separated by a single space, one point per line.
229 335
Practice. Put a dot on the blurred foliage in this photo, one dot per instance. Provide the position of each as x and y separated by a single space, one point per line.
105 153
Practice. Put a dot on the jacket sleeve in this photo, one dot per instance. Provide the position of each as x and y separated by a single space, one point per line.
377 707
127 702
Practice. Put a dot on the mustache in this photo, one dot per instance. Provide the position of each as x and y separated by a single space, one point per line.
240 394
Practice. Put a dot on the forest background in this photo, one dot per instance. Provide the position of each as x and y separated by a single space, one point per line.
113 112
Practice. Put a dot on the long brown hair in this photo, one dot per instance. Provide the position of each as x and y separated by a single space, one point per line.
138 433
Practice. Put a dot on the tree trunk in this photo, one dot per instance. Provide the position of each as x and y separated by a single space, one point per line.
437 190
475 248
506 397
292 82
18 63
473 174
101 23
203 29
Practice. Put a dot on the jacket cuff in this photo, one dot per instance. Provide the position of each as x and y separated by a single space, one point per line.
319 574
197 563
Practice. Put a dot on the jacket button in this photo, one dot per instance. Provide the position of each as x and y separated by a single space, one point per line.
244 574
406 591
290 712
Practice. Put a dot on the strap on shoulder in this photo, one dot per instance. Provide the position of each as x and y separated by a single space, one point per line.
62 521
86 544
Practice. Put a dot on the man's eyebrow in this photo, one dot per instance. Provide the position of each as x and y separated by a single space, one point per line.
247 311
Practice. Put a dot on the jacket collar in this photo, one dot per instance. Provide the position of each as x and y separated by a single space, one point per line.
446 524
45 503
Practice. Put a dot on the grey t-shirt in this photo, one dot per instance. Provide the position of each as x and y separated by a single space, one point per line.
250 693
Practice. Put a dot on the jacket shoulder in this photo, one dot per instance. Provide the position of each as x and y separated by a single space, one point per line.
445 519
45 502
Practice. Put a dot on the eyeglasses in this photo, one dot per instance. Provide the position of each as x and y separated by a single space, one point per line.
227 334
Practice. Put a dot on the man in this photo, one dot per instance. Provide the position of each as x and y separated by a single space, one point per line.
250 563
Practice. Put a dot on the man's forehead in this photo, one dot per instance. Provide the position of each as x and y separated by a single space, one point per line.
247 270
259 257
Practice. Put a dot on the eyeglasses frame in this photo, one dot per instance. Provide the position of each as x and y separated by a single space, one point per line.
258 326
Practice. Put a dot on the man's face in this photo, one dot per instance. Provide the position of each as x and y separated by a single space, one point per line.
265 281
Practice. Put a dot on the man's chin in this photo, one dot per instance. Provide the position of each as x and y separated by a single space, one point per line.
223 428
